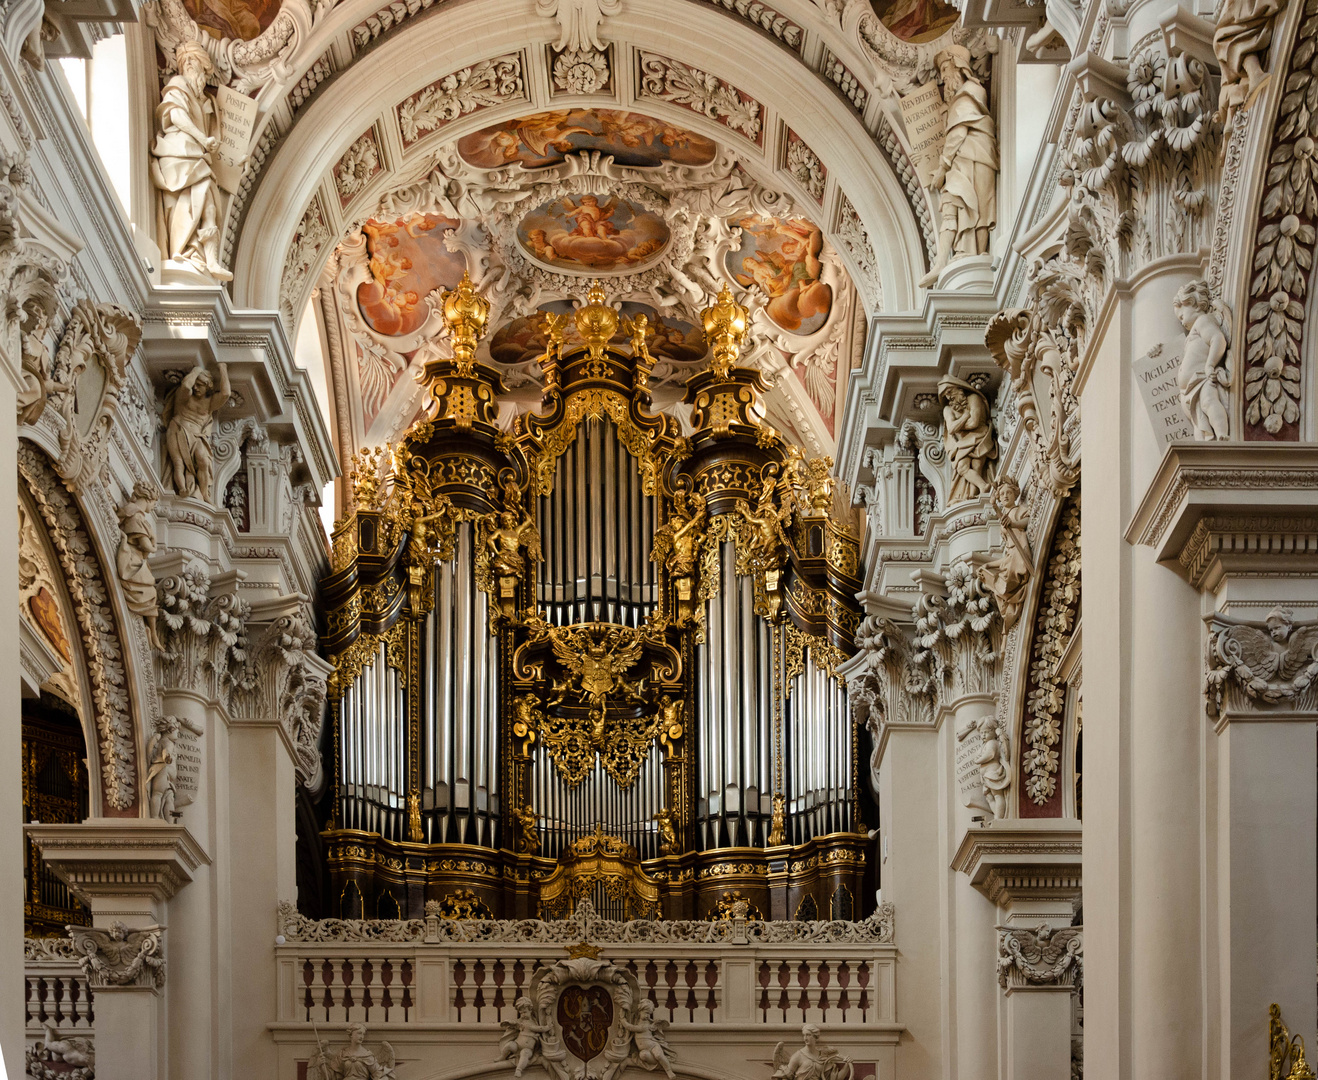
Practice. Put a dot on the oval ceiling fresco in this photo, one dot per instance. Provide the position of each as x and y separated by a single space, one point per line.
916 21
593 234
408 261
779 259
242 19
523 339
546 138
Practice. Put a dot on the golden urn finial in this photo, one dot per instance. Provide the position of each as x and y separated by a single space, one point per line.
466 312
596 321
725 327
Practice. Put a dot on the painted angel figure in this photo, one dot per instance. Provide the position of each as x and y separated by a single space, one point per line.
591 218
354 1061
814 1061
1204 377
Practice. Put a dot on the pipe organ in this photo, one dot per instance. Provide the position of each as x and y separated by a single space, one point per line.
589 655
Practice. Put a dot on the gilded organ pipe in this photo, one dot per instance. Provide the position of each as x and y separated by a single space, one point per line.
591 626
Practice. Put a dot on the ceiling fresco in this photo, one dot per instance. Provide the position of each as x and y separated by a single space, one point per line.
779 259
593 234
916 21
662 232
408 261
242 19
546 138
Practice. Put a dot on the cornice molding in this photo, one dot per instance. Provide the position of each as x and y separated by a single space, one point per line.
105 858
1023 860
1215 508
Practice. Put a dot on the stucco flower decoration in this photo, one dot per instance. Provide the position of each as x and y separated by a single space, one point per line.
581 71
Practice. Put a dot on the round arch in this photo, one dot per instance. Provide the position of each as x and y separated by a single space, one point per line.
299 170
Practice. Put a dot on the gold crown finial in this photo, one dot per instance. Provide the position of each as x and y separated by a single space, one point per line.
725 327
596 321
465 312
583 948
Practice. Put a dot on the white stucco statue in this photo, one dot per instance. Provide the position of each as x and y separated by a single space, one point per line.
1204 377
967 173
186 139
189 416
968 438
1241 42
354 1061
137 543
814 1061
162 772
1007 577
992 760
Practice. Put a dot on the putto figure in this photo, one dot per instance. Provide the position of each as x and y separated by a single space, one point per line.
181 164
967 173
968 438
189 417
526 1041
1008 576
1204 377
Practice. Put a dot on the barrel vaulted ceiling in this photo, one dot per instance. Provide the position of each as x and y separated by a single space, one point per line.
662 146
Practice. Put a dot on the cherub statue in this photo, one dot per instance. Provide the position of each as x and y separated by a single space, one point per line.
1008 576
162 772
764 524
968 438
994 766
522 1040
507 532
189 416
1204 377
668 844
813 1061
677 541
651 1035
528 824
354 1061
71 1050
1272 663
137 543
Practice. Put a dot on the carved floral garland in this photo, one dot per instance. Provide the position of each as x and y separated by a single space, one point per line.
1045 698
100 632
1283 251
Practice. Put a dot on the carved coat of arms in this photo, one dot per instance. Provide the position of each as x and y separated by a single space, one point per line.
585 1019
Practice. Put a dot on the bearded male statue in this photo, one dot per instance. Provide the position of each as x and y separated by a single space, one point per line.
181 164
967 173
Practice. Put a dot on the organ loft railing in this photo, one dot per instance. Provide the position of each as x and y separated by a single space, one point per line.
590 656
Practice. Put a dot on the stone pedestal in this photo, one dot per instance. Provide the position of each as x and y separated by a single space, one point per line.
126 871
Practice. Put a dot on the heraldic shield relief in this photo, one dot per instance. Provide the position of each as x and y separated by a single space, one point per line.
584 1019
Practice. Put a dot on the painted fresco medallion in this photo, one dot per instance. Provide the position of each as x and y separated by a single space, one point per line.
585 1013
45 613
916 21
546 138
779 258
408 261
243 19
593 234
523 340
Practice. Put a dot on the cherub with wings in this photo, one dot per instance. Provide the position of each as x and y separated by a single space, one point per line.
522 1041
765 528
1272 663
591 218
507 532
